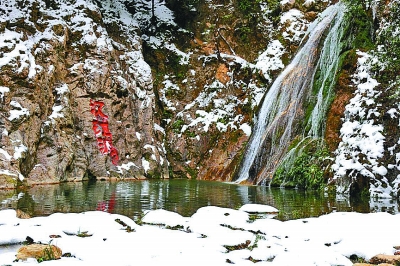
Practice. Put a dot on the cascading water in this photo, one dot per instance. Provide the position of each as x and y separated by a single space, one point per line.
282 114
328 65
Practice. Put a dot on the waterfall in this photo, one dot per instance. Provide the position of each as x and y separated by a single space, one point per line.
328 65
282 114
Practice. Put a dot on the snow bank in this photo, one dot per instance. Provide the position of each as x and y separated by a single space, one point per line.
213 236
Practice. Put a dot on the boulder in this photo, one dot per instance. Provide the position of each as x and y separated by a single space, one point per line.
40 252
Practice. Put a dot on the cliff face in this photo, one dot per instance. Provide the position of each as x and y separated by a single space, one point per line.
57 58
211 76
210 64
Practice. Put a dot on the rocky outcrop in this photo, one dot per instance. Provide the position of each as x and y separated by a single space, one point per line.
57 57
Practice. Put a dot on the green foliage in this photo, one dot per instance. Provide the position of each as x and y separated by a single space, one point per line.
274 5
192 172
247 108
167 114
176 227
365 193
177 125
360 27
154 174
227 17
249 6
234 136
243 33
255 244
190 134
139 219
83 234
390 47
48 254
127 227
305 171
245 5
223 120
179 69
292 215
356 259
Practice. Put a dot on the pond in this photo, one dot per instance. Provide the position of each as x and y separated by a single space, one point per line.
133 198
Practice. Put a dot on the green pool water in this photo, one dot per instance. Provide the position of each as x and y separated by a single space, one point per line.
133 198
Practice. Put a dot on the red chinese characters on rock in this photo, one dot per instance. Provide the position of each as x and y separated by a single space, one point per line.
101 131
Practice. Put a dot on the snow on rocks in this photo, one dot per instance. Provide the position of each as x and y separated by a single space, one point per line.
296 25
258 208
213 235
246 128
270 59
362 136
17 111
3 90
163 217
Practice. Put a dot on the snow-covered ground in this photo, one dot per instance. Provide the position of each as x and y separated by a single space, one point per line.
211 236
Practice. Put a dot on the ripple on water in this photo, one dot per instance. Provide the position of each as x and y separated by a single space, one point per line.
133 198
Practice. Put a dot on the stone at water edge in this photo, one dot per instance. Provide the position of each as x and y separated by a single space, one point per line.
39 251
382 258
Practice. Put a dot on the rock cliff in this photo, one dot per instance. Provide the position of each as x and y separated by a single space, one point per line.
58 57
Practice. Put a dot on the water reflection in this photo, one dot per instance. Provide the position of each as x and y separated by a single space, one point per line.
132 198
